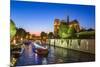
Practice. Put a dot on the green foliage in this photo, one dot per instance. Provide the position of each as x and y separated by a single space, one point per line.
71 32
12 29
65 31
86 35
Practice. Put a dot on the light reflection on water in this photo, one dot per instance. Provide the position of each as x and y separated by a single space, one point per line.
56 55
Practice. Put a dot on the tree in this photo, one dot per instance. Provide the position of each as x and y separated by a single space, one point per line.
63 30
43 34
50 35
90 29
12 29
71 32
21 32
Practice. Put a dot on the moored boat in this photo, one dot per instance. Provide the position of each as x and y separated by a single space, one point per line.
41 50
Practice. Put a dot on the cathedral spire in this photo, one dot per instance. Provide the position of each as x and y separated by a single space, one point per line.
68 19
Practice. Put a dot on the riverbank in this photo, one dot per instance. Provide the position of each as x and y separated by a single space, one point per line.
84 45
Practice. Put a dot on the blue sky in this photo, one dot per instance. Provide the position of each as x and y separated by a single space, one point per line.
36 17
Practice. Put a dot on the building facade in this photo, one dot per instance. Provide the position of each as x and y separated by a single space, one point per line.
56 27
72 24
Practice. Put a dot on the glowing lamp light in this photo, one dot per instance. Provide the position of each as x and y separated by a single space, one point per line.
14 41
27 36
21 39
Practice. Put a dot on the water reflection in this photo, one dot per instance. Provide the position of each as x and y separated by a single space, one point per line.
56 55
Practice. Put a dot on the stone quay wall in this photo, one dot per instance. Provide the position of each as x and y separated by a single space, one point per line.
85 45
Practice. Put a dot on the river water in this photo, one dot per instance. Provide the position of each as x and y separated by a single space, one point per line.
56 55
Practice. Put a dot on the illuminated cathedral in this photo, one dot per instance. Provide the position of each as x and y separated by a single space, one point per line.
73 24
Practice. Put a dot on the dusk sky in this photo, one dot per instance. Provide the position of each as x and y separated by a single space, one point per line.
35 17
